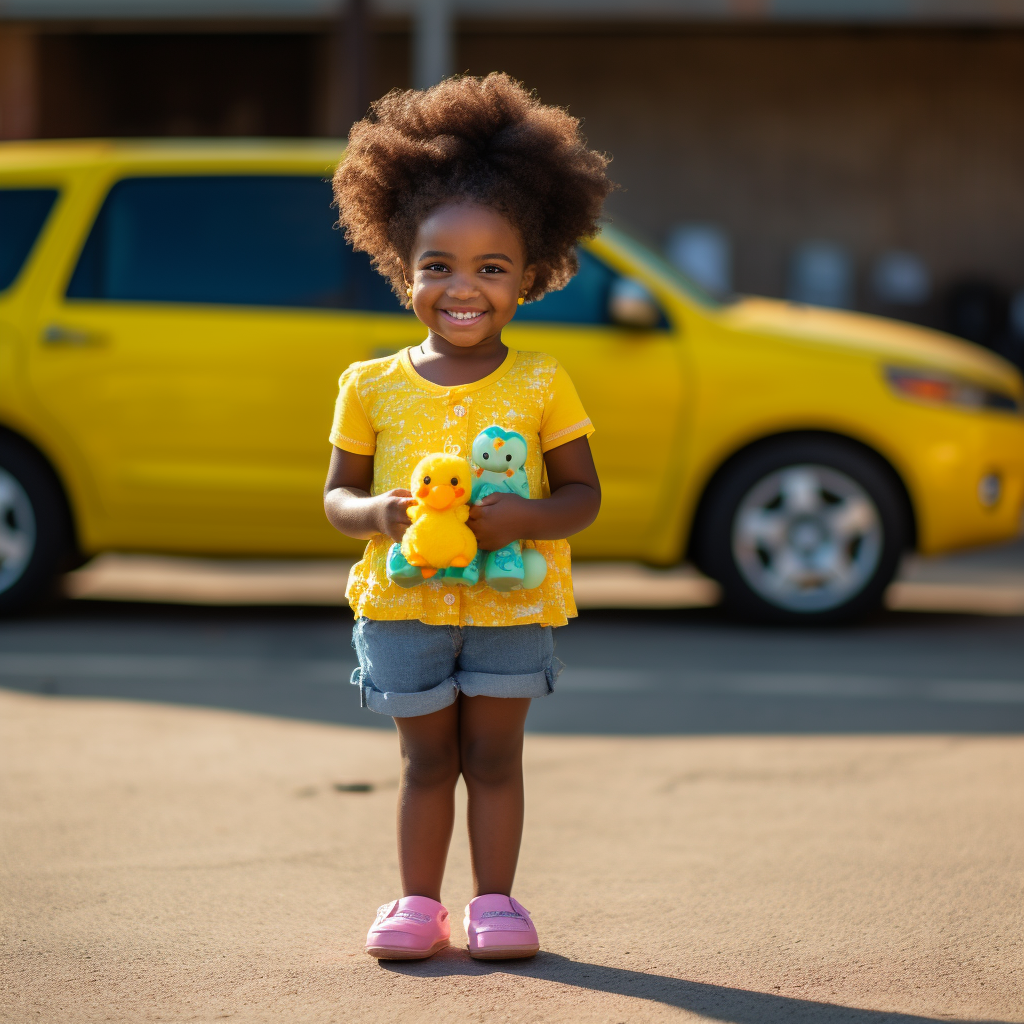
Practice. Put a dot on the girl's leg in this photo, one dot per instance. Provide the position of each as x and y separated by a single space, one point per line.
491 742
426 802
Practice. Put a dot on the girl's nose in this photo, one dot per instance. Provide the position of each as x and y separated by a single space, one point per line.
462 288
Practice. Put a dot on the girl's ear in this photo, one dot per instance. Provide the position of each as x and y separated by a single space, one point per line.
529 276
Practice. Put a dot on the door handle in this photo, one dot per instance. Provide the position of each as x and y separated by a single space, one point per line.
58 334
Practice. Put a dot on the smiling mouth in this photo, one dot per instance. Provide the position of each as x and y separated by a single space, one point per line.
467 317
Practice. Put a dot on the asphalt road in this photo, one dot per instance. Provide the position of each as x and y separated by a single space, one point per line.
183 863
643 672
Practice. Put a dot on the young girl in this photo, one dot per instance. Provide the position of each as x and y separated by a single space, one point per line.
470 197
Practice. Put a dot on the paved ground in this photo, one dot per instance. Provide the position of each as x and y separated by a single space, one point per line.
989 582
176 864
180 838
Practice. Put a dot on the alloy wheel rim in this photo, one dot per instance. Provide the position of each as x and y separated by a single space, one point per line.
17 531
807 538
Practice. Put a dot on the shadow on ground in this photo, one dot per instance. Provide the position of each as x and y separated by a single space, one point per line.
686 672
715 1002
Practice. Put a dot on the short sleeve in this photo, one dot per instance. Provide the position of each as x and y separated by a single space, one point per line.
352 430
564 418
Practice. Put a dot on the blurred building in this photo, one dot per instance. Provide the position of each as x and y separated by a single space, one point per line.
865 149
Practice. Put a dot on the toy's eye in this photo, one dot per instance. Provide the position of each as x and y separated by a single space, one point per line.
455 481
508 458
487 455
426 479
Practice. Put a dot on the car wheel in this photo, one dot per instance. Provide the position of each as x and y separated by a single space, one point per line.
803 530
35 534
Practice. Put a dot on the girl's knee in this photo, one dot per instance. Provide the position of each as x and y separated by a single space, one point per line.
491 764
430 767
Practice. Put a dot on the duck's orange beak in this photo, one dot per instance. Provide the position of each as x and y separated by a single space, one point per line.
442 496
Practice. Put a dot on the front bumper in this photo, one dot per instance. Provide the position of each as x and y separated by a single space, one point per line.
967 481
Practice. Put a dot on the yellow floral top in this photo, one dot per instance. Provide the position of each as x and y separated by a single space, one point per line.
387 410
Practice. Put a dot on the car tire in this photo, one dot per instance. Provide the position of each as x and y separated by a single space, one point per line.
803 529
36 539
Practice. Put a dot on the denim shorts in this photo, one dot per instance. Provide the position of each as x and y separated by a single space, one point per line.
407 668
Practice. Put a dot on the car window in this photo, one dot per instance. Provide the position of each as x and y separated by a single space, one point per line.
644 253
23 212
231 240
584 300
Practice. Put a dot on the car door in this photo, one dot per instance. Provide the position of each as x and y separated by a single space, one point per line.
193 358
631 382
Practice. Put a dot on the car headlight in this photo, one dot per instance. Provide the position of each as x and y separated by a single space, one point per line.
946 389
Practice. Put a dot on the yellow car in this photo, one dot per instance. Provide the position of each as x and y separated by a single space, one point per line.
174 318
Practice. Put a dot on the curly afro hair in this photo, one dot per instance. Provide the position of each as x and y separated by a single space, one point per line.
485 140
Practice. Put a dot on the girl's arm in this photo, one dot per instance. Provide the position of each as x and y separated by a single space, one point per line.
574 503
352 509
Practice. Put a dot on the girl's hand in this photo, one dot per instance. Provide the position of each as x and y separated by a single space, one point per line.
391 515
500 519
352 509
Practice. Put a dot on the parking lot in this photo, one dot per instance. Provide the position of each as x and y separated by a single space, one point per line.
726 821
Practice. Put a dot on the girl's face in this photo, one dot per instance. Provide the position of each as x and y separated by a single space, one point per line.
468 272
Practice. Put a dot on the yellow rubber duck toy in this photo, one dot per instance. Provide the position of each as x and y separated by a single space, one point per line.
439 537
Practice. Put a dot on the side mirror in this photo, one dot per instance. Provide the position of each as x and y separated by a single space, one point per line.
630 304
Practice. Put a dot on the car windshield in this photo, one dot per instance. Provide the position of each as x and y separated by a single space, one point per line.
644 252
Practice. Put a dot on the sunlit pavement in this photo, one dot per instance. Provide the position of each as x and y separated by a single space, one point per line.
180 864
751 824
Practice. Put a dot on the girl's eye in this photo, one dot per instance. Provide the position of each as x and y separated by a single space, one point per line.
437 268
492 269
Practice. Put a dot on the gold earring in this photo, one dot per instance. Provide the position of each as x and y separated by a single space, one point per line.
408 291
521 299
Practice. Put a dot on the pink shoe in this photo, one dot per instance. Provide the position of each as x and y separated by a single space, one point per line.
499 928
411 928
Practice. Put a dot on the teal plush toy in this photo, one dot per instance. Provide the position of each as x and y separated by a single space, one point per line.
499 458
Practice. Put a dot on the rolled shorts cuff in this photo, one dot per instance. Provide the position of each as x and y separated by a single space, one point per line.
405 705
445 693
495 684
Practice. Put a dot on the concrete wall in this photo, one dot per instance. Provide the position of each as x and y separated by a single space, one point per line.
873 139
19 83
876 139
133 84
